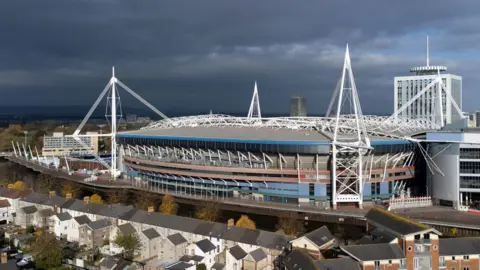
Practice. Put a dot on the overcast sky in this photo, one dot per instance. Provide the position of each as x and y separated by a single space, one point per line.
206 55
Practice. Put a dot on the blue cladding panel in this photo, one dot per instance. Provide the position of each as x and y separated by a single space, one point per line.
303 189
367 189
445 136
320 190
281 188
384 188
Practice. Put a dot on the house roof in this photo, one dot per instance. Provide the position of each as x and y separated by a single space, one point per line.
237 252
4 203
151 233
320 236
99 224
459 246
126 228
205 245
83 219
258 254
179 266
338 264
46 213
374 252
177 239
64 216
14 193
393 223
299 260
29 209
218 266
380 235
187 258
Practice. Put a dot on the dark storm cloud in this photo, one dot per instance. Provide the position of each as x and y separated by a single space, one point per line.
206 54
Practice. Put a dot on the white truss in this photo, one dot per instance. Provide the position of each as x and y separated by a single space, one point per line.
254 111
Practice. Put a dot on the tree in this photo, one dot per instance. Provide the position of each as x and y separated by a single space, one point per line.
68 187
209 212
19 185
245 222
117 196
129 242
290 223
46 251
143 201
201 266
30 229
168 206
95 198
47 183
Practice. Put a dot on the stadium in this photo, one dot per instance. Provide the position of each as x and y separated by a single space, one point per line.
343 158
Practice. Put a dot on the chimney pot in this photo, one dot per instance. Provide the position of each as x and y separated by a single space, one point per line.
3 258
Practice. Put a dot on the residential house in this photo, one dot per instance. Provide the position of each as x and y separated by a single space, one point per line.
4 209
117 263
173 247
300 259
94 234
315 242
206 249
235 257
73 233
43 218
378 256
338 264
13 196
61 223
124 229
42 201
459 253
150 241
163 264
25 216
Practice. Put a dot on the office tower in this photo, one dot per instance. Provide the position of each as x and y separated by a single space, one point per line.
430 94
298 107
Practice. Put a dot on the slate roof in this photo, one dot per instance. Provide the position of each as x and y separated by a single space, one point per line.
338 264
126 228
151 233
380 235
394 223
205 245
177 239
46 213
4 203
374 252
218 266
299 260
29 209
320 236
14 193
187 258
99 224
459 246
258 254
64 216
179 266
237 252
83 219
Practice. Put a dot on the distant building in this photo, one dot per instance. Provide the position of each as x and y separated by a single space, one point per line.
131 118
143 119
298 107
58 144
477 118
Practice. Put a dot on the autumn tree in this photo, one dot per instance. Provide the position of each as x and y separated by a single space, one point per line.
245 222
130 244
209 212
117 196
19 185
168 206
95 198
46 251
143 201
47 183
201 266
68 187
290 223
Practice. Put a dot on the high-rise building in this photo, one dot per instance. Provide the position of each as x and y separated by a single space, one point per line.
430 94
477 118
58 144
298 107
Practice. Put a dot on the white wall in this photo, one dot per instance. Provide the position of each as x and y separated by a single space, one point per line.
61 227
445 187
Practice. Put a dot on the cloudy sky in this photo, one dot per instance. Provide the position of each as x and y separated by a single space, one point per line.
204 55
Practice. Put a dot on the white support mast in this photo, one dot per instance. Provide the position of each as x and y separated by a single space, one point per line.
347 150
114 127
254 111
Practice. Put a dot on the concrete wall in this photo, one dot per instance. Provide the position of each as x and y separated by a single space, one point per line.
445 187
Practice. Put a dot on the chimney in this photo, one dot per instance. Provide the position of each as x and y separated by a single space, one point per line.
4 258
10 186
150 209
86 199
68 196
231 223
51 194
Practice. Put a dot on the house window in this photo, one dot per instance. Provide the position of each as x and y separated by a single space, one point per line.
305 245
377 264
466 268
466 257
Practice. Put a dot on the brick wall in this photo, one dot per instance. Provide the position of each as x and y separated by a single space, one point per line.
459 264
434 252
409 253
